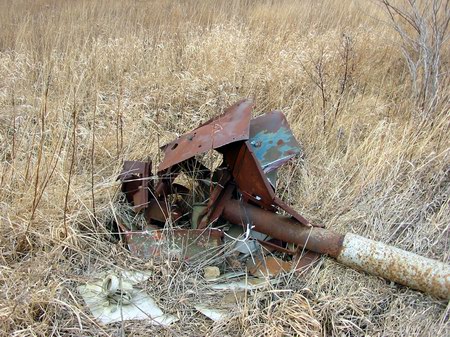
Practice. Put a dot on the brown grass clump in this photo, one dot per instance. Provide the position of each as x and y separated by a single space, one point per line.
88 84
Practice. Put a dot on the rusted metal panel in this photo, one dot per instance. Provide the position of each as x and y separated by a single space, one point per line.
268 266
214 199
248 175
304 259
232 126
414 271
135 182
185 243
271 246
288 209
160 211
272 140
251 180
218 208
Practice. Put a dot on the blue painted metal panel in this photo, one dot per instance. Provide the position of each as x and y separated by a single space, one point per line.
272 142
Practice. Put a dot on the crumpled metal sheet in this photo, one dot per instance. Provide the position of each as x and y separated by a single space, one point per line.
232 126
188 244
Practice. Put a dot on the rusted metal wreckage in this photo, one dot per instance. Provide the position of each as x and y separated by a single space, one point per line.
241 191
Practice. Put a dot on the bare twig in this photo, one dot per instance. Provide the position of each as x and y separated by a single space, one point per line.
346 55
40 153
423 30
92 159
72 162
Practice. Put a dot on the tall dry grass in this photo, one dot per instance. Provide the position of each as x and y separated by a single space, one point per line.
85 85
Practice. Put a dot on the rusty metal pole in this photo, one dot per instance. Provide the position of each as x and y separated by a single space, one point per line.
417 272
317 239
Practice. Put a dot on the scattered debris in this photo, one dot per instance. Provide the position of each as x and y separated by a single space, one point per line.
237 202
113 297
252 150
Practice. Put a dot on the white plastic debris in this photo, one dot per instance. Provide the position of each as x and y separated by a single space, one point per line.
250 283
212 313
113 297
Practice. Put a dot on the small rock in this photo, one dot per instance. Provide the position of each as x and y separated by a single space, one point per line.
211 272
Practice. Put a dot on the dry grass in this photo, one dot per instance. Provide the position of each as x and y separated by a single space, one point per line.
85 85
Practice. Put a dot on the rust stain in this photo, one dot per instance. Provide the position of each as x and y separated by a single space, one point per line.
188 244
268 266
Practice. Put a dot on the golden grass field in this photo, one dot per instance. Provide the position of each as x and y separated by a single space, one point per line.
87 84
